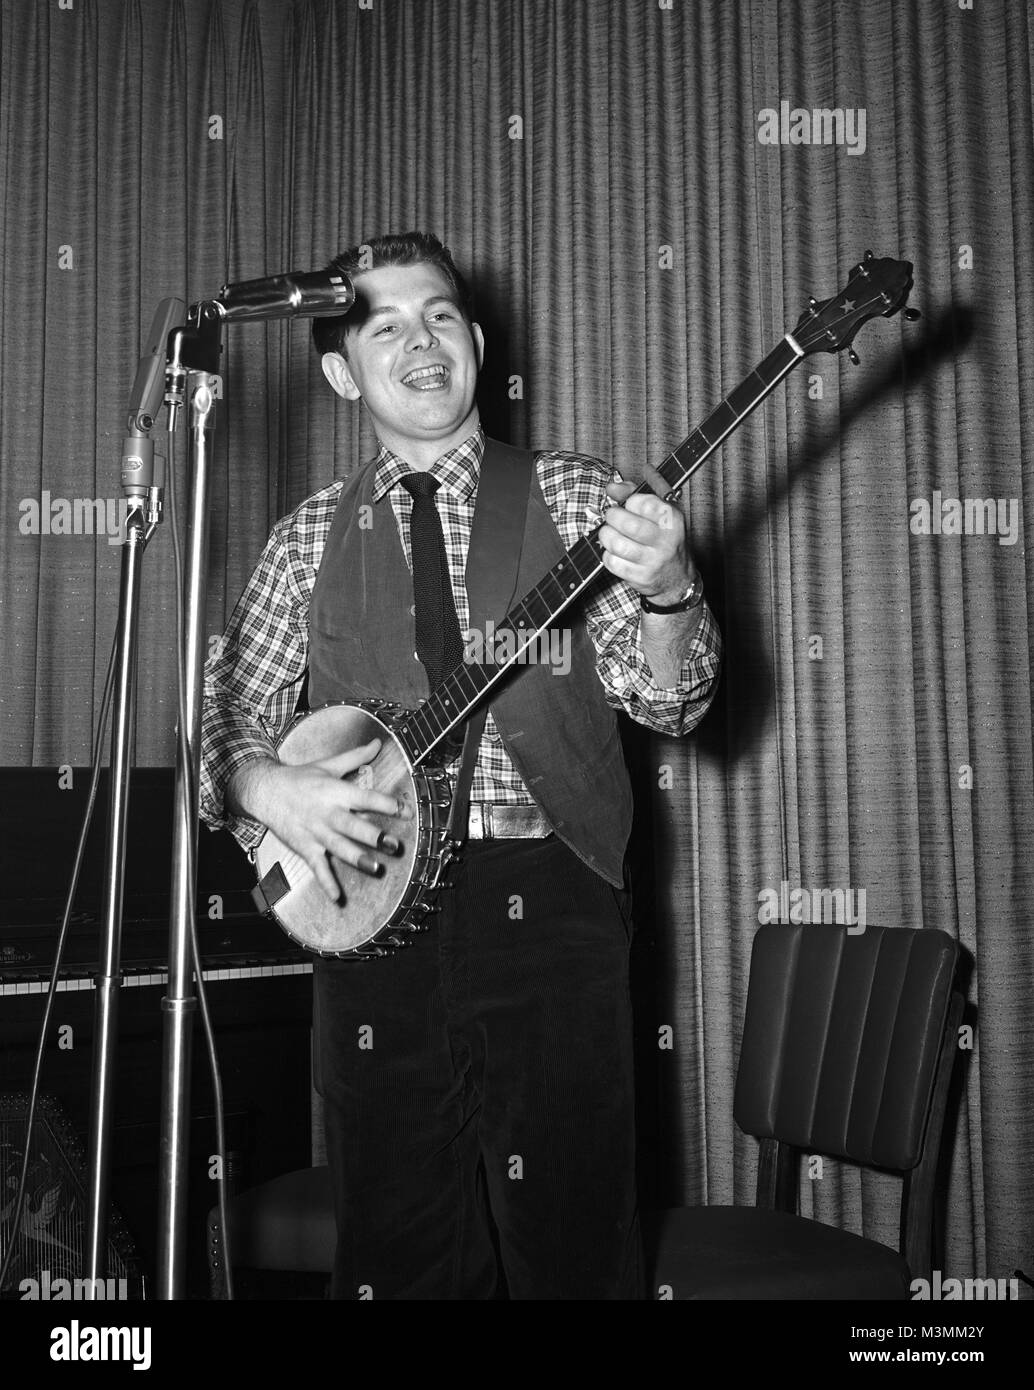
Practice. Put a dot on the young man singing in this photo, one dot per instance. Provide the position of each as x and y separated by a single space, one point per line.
481 1142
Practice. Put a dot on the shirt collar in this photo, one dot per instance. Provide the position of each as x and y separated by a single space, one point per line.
457 471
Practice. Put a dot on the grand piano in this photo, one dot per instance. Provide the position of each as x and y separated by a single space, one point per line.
259 988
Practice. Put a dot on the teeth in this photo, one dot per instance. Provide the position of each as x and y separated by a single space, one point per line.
422 372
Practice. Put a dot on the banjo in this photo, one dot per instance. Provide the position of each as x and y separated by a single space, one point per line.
377 916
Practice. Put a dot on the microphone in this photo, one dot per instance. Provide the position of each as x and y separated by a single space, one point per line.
143 471
297 294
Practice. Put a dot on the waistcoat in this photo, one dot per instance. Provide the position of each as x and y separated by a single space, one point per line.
558 730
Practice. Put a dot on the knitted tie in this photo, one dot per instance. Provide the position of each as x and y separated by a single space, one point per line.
439 644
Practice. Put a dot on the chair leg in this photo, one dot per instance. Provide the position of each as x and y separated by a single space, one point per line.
917 1205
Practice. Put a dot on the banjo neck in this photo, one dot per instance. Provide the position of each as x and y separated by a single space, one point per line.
874 288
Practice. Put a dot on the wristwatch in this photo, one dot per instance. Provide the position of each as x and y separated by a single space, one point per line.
689 599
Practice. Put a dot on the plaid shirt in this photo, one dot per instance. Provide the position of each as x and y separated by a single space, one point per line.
252 681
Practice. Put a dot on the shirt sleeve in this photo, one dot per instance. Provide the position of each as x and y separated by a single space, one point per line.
253 680
575 489
612 620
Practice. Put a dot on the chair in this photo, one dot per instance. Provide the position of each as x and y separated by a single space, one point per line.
284 1225
848 1047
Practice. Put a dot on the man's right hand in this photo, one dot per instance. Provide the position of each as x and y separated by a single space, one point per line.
315 812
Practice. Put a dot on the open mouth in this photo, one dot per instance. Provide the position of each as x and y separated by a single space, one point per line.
431 378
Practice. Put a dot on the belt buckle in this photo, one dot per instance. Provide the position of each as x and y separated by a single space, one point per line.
479 821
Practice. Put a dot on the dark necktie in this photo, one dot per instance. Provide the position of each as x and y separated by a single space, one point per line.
439 644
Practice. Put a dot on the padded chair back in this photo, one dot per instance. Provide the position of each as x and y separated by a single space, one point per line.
842 1038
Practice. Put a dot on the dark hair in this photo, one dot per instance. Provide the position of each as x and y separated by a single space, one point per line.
403 248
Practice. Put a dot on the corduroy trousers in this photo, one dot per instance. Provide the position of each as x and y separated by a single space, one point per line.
478 1090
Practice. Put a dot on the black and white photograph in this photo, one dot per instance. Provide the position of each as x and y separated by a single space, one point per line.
516 723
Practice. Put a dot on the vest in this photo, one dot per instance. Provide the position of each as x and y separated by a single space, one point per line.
557 729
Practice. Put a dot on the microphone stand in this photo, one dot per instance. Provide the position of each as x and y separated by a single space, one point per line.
187 359
192 376
141 484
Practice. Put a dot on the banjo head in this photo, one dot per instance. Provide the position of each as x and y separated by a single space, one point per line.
368 906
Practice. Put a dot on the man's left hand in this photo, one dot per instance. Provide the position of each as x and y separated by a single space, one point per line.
644 543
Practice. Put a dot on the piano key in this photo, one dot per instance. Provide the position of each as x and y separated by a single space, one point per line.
12 984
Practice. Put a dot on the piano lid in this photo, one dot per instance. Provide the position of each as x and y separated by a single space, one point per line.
40 820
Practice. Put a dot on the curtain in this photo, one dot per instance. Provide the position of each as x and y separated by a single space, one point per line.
644 195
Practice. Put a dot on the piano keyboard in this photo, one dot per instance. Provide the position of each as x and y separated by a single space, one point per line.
137 978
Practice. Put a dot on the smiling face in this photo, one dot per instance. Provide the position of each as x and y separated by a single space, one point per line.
412 359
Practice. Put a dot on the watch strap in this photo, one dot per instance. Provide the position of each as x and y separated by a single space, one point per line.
689 599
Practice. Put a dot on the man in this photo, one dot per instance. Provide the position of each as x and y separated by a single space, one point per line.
478 1085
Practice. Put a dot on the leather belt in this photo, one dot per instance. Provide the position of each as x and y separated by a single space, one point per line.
489 821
